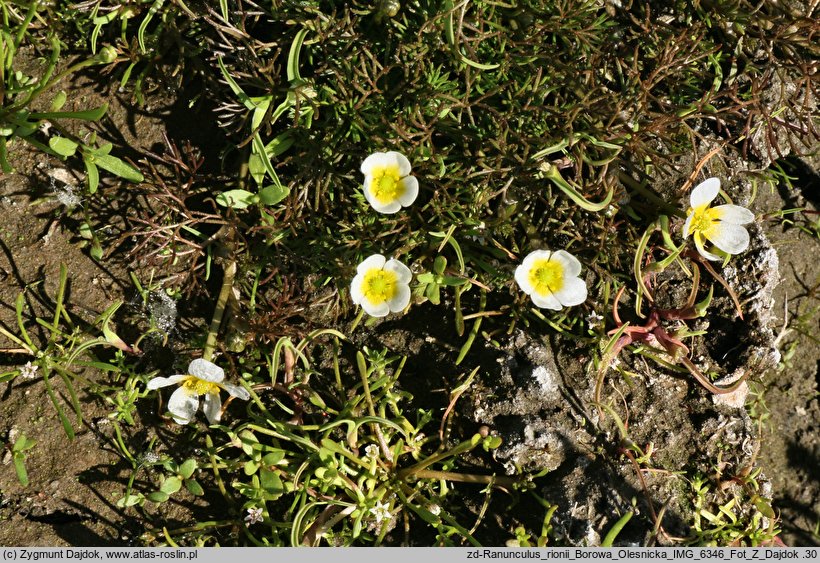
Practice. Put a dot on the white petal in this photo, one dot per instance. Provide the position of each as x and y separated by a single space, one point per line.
374 262
182 405
158 382
573 292
732 239
212 407
522 278
356 294
368 194
376 309
734 214
547 301
401 299
410 192
403 273
236 391
703 252
572 267
205 370
386 208
705 192
396 158
688 224
376 159
535 255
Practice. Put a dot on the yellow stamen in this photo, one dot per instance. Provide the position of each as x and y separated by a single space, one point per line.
546 276
200 386
704 219
386 184
379 286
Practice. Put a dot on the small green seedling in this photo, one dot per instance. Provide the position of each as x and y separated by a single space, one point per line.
430 283
18 453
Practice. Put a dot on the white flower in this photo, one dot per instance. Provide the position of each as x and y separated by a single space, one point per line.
381 286
594 320
29 371
720 225
551 279
381 511
254 516
203 378
388 185
371 451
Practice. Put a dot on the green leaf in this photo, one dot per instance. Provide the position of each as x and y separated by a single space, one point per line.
171 485
96 251
273 458
616 529
58 101
194 488
271 482
452 281
764 507
237 90
426 277
86 115
237 199
293 55
256 168
492 442
248 440
433 293
93 175
23 443
20 469
271 195
279 144
155 7
69 430
157 496
251 467
130 500
259 149
480 66
25 129
439 265
119 168
187 468
62 146
86 231
554 175
262 104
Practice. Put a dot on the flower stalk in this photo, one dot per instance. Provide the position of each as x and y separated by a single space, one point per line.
219 310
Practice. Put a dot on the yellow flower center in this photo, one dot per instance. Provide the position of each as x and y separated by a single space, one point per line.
546 276
703 219
386 185
379 286
200 386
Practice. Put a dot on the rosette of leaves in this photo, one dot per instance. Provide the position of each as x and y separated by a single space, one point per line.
261 466
432 282
180 475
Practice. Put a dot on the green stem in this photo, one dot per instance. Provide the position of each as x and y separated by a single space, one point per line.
219 310
423 464
505 482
